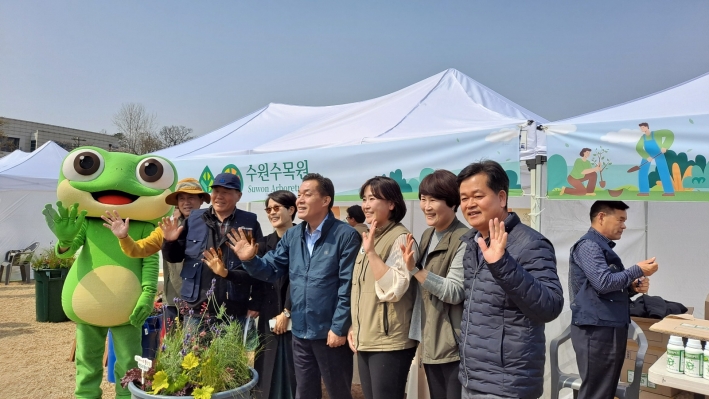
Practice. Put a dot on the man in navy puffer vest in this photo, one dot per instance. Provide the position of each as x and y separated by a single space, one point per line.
600 288
511 290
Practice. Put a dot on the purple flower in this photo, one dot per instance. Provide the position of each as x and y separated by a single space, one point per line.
183 352
191 312
163 347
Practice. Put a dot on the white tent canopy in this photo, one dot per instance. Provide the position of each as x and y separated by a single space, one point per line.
28 181
446 103
688 98
35 171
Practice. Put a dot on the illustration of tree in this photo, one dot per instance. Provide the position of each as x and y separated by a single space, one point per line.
557 172
399 178
424 172
600 157
514 182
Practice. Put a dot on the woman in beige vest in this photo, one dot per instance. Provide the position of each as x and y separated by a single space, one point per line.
382 296
439 301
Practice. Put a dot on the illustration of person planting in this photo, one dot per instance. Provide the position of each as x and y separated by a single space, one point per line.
653 145
585 171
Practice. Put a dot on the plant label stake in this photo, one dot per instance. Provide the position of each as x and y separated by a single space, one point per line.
144 364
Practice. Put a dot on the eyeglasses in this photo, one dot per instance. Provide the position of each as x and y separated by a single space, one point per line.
273 208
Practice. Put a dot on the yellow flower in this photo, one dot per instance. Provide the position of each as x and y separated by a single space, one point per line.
159 381
203 393
190 361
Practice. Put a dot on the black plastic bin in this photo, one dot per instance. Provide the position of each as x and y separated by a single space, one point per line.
48 292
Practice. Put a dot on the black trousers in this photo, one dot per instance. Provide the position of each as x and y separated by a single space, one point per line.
600 352
383 374
443 380
313 360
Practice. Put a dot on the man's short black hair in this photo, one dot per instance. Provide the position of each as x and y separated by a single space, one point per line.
386 188
325 186
441 185
607 207
355 212
497 179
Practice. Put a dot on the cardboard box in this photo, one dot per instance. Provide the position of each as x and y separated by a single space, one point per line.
651 356
683 325
655 339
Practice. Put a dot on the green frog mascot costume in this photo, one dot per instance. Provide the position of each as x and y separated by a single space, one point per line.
104 287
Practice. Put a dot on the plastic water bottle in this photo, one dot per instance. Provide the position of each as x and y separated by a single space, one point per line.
693 358
675 355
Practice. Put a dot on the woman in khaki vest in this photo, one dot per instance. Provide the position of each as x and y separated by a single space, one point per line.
439 301
382 296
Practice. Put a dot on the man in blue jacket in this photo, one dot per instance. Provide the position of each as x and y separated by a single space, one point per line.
600 288
319 254
511 290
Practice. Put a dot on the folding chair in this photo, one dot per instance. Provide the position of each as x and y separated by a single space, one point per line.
624 390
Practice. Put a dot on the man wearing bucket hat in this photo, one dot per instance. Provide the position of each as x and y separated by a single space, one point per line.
188 196
205 232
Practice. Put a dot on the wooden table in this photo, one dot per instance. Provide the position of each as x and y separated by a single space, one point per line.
659 375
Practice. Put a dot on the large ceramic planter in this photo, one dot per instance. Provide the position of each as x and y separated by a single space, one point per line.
242 392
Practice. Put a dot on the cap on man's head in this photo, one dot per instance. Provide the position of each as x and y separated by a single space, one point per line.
188 186
227 180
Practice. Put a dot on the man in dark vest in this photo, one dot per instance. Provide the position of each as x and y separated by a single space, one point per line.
600 288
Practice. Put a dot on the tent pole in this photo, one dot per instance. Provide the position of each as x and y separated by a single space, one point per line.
538 197
646 208
533 198
535 208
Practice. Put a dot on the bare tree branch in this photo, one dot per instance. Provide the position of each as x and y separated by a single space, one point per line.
174 135
137 128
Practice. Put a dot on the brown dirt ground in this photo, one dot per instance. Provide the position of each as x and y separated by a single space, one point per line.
34 357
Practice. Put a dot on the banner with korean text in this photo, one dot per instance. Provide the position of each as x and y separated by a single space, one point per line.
406 161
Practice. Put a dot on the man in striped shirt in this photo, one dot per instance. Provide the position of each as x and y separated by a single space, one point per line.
600 288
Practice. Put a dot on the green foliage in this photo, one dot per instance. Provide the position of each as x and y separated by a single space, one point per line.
48 259
557 171
699 178
211 357
682 160
398 177
514 183
425 172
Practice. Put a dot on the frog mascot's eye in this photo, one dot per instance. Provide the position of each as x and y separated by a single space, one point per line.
84 165
155 173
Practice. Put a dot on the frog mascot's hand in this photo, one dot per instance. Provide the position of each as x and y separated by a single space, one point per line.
64 223
142 309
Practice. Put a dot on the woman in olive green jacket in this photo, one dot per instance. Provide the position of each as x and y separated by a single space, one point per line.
382 297
439 301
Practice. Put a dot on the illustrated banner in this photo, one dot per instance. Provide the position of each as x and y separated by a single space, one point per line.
663 159
406 161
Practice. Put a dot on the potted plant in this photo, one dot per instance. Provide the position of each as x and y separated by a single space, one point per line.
49 273
208 361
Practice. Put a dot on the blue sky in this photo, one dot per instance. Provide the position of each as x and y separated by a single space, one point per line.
205 64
